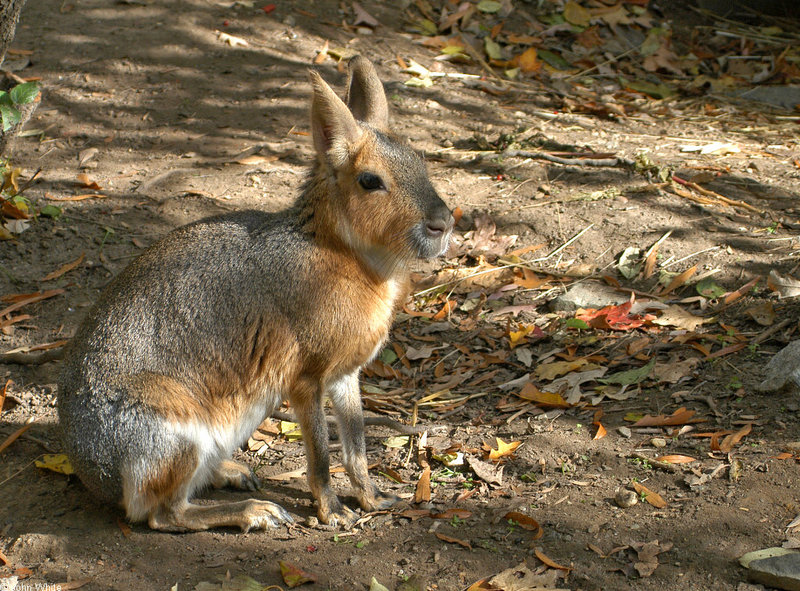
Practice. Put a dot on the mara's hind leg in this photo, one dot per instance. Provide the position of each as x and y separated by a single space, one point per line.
162 497
235 475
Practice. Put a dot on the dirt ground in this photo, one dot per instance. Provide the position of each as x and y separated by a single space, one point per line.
149 102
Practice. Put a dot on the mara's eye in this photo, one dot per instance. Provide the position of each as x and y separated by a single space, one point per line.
370 182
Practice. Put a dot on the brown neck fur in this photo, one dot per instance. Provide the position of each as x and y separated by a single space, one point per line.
320 218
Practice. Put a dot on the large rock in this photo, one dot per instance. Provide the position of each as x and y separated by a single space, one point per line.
783 370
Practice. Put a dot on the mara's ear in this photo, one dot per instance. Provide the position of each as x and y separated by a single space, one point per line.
333 126
365 95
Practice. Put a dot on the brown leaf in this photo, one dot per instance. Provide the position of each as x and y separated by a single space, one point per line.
294 576
14 436
529 60
676 459
682 416
87 183
362 17
763 313
489 473
422 494
679 280
124 528
52 197
734 438
542 398
655 499
735 295
450 540
549 561
64 268
446 310
526 522
453 512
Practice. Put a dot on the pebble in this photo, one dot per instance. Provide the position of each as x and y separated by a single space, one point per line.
658 442
625 432
625 498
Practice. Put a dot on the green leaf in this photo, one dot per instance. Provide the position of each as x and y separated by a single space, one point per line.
51 211
708 289
489 6
388 356
419 82
576 323
659 91
24 93
492 49
554 60
374 585
427 27
10 115
630 262
5 98
630 376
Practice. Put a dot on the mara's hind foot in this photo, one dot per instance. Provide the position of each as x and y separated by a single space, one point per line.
246 515
235 475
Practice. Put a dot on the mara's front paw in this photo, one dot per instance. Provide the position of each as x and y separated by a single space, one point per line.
333 513
376 499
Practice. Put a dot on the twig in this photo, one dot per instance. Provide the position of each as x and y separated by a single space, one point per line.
606 162
373 421
767 334
656 464
32 358
706 192
596 66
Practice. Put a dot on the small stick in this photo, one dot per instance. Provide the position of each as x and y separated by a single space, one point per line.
373 421
598 162
767 334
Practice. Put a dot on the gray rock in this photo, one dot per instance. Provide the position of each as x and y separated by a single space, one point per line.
783 370
780 572
588 294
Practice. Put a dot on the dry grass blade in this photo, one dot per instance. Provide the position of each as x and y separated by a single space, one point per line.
15 435
64 268
36 297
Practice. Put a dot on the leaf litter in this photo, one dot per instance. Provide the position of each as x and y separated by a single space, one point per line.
484 351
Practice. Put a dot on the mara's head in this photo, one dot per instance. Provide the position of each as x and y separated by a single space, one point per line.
379 195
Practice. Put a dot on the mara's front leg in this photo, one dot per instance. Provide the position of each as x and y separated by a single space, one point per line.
307 402
346 397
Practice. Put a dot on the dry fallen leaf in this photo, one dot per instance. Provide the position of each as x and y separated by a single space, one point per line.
294 576
734 438
655 499
503 449
549 561
450 540
682 416
422 494
763 313
526 522
676 459
231 40
55 462
87 183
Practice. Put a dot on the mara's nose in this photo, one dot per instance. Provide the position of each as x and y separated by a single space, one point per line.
440 223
